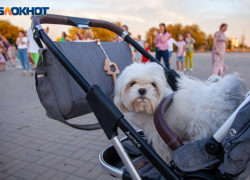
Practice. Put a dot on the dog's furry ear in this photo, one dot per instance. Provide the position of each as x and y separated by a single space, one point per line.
118 103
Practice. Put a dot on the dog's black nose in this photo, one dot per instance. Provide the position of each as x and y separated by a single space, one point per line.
142 91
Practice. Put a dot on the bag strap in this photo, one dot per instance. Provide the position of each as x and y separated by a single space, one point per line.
40 72
40 69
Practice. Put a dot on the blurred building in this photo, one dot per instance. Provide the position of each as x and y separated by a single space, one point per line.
234 41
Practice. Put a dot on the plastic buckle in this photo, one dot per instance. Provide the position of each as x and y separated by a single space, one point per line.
36 36
83 26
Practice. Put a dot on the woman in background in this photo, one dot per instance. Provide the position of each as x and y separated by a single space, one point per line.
88 35
161 40
219 50
12 54
77 38
64 37
189 51
22 45
2 57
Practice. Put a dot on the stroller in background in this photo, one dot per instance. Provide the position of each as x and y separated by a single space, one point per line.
65 93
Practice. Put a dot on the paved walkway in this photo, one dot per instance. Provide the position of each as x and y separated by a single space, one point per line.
33 146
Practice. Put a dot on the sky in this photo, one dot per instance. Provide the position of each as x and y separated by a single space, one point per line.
140 15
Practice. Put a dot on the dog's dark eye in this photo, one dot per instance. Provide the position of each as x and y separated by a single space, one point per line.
133 83
153 84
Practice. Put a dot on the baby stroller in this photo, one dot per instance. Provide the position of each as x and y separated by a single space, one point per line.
65 93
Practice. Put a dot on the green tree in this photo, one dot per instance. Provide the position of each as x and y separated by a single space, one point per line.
197 34
9 31
229 44
175 30
242 44
150 36
209 43
99 33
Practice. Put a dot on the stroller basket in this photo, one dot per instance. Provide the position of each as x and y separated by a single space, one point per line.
113 164
65 93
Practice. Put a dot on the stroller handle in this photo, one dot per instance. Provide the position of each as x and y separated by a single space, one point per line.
74 21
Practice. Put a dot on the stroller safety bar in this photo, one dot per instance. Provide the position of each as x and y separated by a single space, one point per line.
213 146
222 132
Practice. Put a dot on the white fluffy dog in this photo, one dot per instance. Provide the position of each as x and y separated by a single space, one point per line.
198 108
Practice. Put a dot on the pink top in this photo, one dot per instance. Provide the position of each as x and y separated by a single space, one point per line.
162 44
2 59
181 48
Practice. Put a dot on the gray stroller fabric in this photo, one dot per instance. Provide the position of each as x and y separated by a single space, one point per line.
130 148
193 156
237 147
236 164
59 93
148 171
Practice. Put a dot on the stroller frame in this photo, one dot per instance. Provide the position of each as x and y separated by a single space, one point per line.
108 115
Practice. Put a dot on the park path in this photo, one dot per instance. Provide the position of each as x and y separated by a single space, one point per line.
33 146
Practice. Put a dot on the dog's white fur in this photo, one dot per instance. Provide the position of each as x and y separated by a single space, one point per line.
198 108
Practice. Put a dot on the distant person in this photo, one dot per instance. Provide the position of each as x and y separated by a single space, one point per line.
12 54
146 47
219 50
180 53
162 36
77 38
112 39
32 64
132 52
138 55
22 45
32 47
88 35
5 41
119 38
5 45
46 30
64 37
171 43
189 51
2 57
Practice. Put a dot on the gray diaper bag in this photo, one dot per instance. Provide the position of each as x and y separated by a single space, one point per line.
59 93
